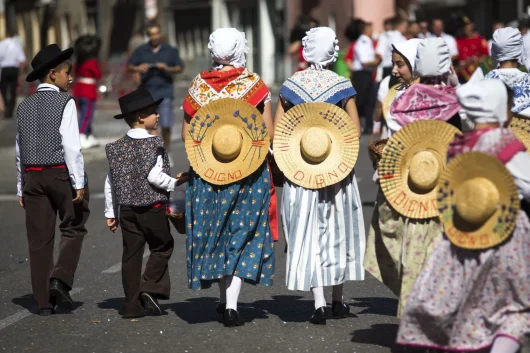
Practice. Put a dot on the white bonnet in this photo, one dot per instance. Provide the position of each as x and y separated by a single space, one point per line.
507 45
433 58
408 49
484 101
228 46
321 47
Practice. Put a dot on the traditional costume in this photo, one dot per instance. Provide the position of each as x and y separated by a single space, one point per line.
137 191
404 223
473 290
324 225
49 171
228 231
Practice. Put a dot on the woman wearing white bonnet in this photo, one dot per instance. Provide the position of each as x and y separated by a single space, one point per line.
306 213
507 54
477 299
208 222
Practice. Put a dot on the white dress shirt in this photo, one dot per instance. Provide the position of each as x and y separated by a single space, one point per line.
384 46
69 131
11 53
451 42
364 52
157 177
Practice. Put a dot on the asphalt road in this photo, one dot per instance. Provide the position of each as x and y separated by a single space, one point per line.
276 319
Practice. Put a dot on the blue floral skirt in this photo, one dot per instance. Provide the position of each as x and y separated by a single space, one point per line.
227 230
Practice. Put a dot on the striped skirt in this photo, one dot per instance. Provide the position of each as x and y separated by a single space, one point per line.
324 230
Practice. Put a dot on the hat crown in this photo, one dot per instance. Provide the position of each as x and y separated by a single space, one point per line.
45 55
315 145
424 171
476 200
135 101
227 143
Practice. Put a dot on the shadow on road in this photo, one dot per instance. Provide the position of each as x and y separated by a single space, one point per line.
380 335
376 306
27 302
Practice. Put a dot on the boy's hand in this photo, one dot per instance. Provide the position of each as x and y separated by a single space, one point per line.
182 178
21 201
112 223
80 195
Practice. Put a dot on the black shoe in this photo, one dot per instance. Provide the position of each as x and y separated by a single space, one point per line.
60 292
340 310
46 312
150 304
220 309
232 318
319 316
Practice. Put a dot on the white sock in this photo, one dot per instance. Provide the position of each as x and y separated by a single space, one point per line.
233 287
318 294
222 291
337 293
503 344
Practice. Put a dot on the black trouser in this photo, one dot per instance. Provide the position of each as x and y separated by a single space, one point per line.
365 100
140 225
8 87
47 193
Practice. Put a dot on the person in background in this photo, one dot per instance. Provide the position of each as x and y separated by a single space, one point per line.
362 62
472 48
12 63
438 28
496 25
384 45
135 41
305 23
86 73
157 62
413 30
524 25
424 30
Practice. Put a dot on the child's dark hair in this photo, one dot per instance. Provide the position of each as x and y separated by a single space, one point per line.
132 118
86 47
65 65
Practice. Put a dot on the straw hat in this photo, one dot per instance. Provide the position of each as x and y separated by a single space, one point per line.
521 128
226 141
390 96
478 201
316 145
412 162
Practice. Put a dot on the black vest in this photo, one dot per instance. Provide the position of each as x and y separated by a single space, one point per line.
130 161
39 120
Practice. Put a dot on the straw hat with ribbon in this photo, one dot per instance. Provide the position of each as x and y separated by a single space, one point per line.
226 141
412 162
478 201
521 128
316 145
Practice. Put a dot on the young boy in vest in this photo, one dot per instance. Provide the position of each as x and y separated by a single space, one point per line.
138 186
51 178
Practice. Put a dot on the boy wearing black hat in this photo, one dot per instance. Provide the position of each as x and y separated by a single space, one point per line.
138 185
51 178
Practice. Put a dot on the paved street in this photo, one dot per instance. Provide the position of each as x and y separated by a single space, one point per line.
276 319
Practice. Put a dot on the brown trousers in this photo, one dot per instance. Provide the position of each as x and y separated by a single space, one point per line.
140 225
47 193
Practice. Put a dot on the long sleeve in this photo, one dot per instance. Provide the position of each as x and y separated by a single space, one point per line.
19 167
519 167
72 146
111 209
158 178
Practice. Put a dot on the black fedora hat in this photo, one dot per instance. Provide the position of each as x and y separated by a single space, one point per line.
49 57
136 101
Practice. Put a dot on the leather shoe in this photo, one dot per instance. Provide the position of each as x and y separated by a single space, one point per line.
340 310
46 312
319 316
150 304
232 318
220 308
60 292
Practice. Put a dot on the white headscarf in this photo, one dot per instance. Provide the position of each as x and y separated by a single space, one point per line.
485 101
408 49
507 45
433 58
321 47
228 46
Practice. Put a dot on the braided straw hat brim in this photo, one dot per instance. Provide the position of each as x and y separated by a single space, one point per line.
423 135
521 128
207 121
500 225
341 131
389 98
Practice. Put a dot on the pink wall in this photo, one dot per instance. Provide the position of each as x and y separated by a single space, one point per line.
374 11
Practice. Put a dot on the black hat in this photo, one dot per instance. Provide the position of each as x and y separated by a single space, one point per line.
48 58
136 101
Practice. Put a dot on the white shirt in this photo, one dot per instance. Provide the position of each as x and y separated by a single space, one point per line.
526 49
157 177
451 43
364 52
384 46
69 131
423 36
11 53
519 167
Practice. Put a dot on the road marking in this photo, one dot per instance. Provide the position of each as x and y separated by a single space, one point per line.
117 267
12 197
10 320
